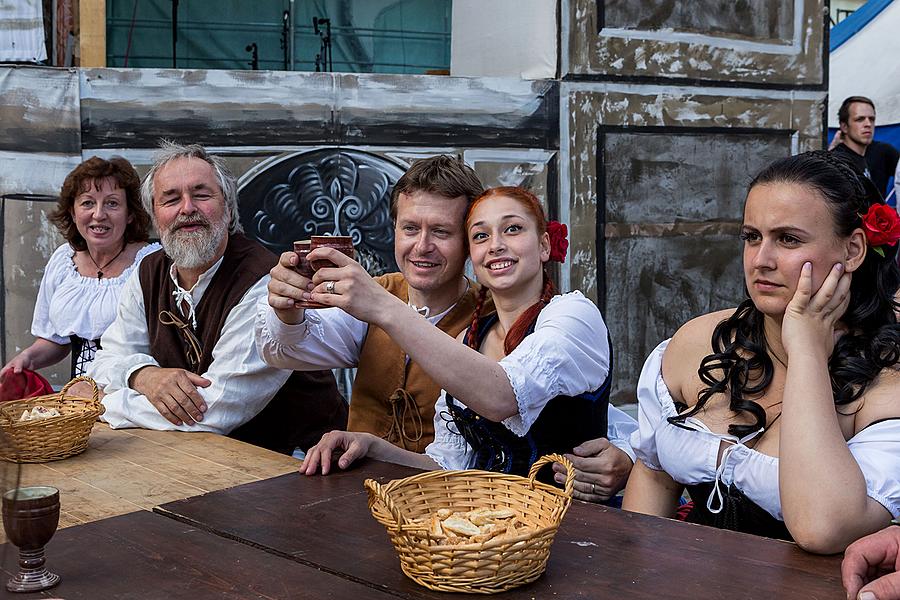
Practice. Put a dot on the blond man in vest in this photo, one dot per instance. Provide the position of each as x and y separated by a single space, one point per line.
392 396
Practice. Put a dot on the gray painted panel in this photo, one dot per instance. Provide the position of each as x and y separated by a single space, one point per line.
668 177
656 285
133 108
28 241
130 108
429 110
39 110
597 107
657 278
763 20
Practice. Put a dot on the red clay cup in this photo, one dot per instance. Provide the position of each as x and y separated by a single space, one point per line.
343 243
302 249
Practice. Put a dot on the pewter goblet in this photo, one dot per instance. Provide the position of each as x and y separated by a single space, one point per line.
30 518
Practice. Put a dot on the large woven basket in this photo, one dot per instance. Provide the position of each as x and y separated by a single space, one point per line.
43 440
493 566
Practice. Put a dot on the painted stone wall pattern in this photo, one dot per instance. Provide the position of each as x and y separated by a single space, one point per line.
771 42
761 20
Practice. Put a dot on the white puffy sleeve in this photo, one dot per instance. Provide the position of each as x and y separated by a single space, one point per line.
620 426
449 449
652 396
54 272
327 338
877 452
568 354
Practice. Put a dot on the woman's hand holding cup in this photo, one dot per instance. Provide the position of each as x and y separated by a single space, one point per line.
347 285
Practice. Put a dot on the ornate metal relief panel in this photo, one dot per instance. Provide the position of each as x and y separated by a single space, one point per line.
330 191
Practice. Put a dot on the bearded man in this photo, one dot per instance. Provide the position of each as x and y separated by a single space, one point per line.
179 354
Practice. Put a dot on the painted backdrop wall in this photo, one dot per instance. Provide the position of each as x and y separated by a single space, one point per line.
644 145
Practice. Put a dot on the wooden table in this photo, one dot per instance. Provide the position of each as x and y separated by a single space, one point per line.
125 470
284 535
147 556
324 522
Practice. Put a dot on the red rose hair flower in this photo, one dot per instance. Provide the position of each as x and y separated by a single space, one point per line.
558 242
882 226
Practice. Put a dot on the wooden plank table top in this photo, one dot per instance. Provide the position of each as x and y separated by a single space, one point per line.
125 470
324 522
145 555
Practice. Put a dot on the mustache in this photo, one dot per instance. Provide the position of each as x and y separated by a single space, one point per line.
188 221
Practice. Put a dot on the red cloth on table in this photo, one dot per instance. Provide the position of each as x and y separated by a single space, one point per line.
27 384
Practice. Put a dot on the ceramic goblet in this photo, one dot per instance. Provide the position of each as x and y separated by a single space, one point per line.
341 243
302 249
30 518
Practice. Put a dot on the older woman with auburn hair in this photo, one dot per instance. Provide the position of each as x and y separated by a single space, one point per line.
106 229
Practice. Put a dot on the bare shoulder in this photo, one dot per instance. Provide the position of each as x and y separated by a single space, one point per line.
881 399
690 344
695 335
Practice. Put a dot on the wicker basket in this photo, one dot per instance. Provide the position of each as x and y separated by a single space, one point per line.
43 440
493 566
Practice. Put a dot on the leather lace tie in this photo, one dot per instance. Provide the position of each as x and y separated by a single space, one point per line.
192 350
403 404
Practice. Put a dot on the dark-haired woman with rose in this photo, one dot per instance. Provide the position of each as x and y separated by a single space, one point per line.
782 417
528 380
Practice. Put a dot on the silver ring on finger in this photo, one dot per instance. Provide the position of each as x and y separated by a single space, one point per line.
329 287
593 489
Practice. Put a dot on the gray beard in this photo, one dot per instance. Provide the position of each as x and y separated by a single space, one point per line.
192 250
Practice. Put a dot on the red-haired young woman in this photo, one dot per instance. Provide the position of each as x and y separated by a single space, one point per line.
530 379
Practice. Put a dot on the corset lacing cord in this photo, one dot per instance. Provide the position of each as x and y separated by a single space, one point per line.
716 492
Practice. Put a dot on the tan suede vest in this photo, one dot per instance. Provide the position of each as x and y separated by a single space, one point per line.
394 399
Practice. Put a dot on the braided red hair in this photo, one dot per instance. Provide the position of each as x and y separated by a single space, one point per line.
472 337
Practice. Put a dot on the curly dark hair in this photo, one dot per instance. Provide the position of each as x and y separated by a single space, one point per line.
90 173
740 366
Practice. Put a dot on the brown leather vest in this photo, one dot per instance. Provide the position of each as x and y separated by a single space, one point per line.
305 407
392 398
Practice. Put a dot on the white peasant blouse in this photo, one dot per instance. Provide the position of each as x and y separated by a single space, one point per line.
68 303
688 451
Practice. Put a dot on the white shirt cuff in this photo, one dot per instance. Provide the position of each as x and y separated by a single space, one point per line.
131 365
624 446
288 334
